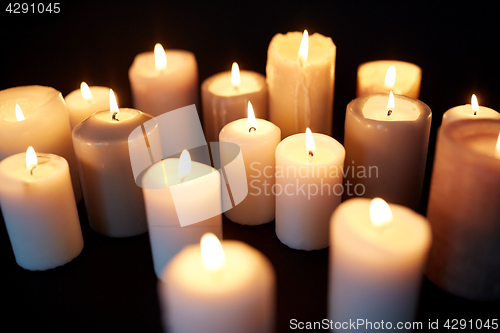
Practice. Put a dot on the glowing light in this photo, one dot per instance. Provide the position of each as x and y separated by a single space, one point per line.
252 123
85 91
235 76
380 212
184 168
19 113
31 160
212 253
160 58
113 105
474 104
390 104
310 145
390 77
497 150
304 48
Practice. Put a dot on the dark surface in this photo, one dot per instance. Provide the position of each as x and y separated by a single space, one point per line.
111 286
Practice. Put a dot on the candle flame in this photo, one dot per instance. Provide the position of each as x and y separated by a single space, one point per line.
212 253
31 160
160 58
380 212
390 103
85 91
19 113
252 123
390 77
113 105
235 76
304 48
184 168
474 104
497 151
311 147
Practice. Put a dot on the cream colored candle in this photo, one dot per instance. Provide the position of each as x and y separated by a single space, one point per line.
114 202
44 124
39 210
377 77
377 255
386 148
216 289
225 97
308 189
469 111
257 139
301 85
183 202
463 209
85 101
164 83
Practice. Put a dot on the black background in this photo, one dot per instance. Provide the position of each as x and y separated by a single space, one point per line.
111 286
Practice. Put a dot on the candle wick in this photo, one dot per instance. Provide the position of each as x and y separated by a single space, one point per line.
31 171
114 116
311 153
475 113
250 129
183 178
389 112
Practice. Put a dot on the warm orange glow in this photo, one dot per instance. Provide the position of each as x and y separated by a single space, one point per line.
252 123
311 147
160 58
474 104
380 212
113 105
31 160
390 77
497 150
19 113
212 253
184 168
235 76
390 103
85 91
304 48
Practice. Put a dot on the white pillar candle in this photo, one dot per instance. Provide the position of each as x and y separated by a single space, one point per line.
45 125
301 85
114 202
375 77
216 289
308 189
257 139
225 97
160 85
376 261
39 210
386 148
85 101
463 209
180 208
469 111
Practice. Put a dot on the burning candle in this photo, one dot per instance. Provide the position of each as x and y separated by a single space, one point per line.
39 210
377 254
225 97
214 287
300 75
85 101
469 111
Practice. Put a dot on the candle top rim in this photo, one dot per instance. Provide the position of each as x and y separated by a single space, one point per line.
17 162
260 79
286 46
144 65
388 62
233 131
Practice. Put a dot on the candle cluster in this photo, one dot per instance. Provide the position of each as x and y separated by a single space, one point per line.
296 173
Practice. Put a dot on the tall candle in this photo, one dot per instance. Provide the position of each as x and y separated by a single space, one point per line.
386 148
382 76
463 209
377 254
44 124
225 97
301 85
39 210
113 200
469 111
163 81
308 189
218 288
85 101
257 139
181 206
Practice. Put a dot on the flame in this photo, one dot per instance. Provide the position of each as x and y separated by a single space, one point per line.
390 77
184 168
113 105
380 212
497 150
474 104
31 160
19 113
311 147
390 103
85 91
251 118
160 58
304 48
235 76
212 253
